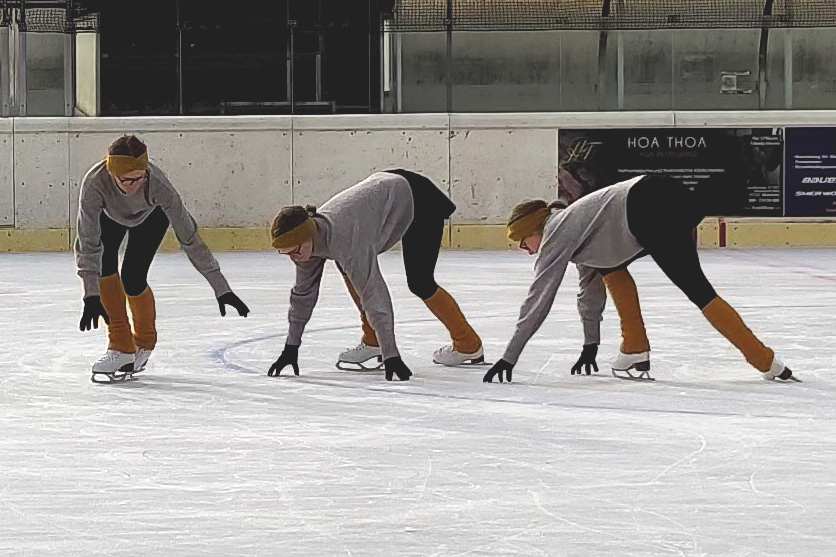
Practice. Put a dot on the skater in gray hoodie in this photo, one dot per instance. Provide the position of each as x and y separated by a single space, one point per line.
353 228
125 195
606 231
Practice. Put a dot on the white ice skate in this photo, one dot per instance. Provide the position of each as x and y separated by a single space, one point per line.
141 359
779 371
355 359
446 356
640 362
113 366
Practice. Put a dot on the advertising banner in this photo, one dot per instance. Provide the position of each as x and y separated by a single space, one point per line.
740 169
811 172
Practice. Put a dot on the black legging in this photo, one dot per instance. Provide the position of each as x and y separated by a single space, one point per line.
421 245
143 242
662 214
422 240
429 201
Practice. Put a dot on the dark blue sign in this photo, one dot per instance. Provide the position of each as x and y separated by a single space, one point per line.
811 172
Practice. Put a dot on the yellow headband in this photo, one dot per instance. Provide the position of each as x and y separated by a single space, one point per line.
119 165
295 237
528 225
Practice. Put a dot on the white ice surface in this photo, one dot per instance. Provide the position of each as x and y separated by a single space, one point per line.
206 455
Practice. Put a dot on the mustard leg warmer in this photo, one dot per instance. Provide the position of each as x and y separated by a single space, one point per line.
119 335
369 336
729 324
625 297
144 312
445 308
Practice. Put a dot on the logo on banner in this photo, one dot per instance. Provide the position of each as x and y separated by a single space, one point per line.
690 142
580 151
819 180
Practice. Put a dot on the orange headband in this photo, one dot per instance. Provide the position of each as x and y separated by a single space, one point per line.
528 225
296 236
119 165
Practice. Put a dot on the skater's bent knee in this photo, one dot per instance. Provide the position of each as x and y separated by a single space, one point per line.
423 289
134 286
703 297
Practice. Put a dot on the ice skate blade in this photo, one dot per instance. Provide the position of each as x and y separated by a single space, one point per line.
361 366
786 376
642 376
790 379
643 369
115 377
480 361
125 373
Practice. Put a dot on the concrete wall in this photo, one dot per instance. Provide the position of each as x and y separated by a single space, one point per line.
331 153
234 173
41 173
6 173
230 172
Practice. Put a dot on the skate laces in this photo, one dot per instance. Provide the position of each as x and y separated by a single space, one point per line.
110 356
359 348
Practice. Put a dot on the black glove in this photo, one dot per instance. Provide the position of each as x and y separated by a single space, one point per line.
497 369
587 359
289 357
231 299
93 309
395 366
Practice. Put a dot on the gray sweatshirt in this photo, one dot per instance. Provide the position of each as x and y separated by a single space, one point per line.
592 299
99 193
353 228
593 233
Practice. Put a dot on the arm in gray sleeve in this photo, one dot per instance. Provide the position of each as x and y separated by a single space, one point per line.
374 295
592 298
88 243
303 298
548 274
185 228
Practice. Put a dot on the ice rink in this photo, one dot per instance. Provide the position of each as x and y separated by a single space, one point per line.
206 455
